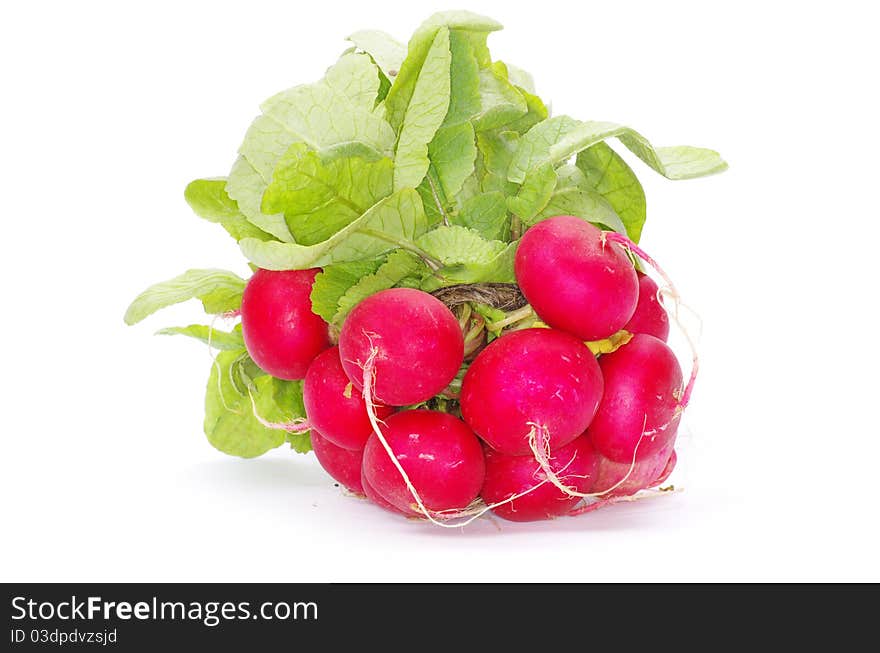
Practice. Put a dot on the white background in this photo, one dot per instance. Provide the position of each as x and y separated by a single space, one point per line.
110 109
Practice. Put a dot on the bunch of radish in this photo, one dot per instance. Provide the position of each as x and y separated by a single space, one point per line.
541 427
447 300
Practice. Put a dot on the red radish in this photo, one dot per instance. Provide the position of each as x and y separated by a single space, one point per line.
440 455
344 465
333 406
641 407
575 465
650 316
415 343
281 333
667 471
574 279
622 479
379 500
527 379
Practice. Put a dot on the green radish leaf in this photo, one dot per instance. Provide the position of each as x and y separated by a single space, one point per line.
464 80
452 153
209 200
537 112
501 103
397 219
220 291
519 77
356 77
385 50
453 245
497 149
319 198
467 257
216 339
475 27
334 281
534 194
498 269
487 214
610 176
399 265
230 423
424 113
556 139
574 195
336 112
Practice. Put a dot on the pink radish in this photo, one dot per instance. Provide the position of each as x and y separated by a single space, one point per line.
441 456
333 406
623 479
380 501
641 407
414 341
281 333
575 465
574 279
650 316
527 380
344 465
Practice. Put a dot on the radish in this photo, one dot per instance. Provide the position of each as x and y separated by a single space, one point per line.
380 501
574 279
624 479
575 465
333 406
281 333
412 340
650 316
642 404
437 452
344 465
531 380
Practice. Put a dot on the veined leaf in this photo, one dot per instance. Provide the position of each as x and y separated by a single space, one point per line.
230 423
334 281
399 265
319 198
386 51
209 200
609 175
220 291
398 218
215 338
427 107
555 139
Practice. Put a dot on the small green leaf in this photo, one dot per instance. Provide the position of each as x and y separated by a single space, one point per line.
534 194
209 200
216 339
453 245
219 290
498 269
487 214
452 153
334 281
399 265
610 176
230 423
501 103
